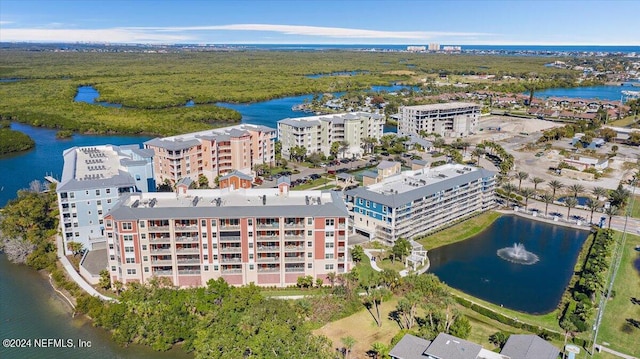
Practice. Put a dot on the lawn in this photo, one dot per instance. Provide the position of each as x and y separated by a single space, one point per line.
362 327
623 122
460 231
635 210
614 330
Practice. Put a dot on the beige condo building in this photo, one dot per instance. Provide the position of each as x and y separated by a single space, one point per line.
454 119
212 153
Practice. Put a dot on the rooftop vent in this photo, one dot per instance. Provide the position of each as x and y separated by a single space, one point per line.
264 199
135 204
195 201
153 202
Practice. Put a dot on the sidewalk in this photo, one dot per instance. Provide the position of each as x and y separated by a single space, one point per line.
611 351
75 276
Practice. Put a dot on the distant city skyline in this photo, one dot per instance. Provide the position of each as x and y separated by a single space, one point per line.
412 22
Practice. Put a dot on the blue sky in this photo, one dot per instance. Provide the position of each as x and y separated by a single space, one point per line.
408 22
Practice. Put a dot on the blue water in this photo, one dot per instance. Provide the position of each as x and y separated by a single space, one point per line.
582 201
474 267
10 80
613 93
339 73
89 94
19 169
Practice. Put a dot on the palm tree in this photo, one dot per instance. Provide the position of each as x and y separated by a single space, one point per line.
520 176
536 181
379 349
555 185
509 189
611 211
348 343
477 152
546 198
344 146
527 193
570 202
576 188
593 205
599 192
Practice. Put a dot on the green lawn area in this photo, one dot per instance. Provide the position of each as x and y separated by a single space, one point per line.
460 231
614 330
315 183
635 210
624 122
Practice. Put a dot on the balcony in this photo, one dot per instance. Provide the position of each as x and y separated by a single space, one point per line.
267 259
229 238
161 261
160 239
189 271
228 227
230 249
188 260
294 269
194 250
268 238
341 249
232 271
293 248
230 260
158 228
190 227
268 270
268 225
162 272
294 225
295 237
187 239
294 259
268 248
160 250
342 226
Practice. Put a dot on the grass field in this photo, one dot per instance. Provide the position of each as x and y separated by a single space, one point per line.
624 122
459 232
614 330
635 210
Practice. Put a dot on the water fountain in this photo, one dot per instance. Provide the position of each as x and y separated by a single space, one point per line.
517 254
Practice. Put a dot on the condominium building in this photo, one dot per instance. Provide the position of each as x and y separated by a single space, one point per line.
413 203
318 133
454 119
212 153
269 237
93 179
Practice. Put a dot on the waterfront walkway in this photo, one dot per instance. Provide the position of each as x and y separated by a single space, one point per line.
75 276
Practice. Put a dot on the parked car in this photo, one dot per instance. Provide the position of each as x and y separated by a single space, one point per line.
315 176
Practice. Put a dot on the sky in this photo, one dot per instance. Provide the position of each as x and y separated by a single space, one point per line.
401 22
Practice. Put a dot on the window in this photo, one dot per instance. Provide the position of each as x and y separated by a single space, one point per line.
309 244
309 233
203 223
113 268
328 266
309 221
110 235
368 204
86 193
328 256
109 200
250 234
126 225
145 259
110 245
144 247
250 266
108 191
214 245
328 245
250 244
146 269
72 195
97 192
99 203
109 223
130 260
329 235
215 267
309 265
206 268
215 257
204 246
328 222
128 249
112 257
205 257
131 271
127 237
73 205
143 236
143 224
250 221
77 234
250 255
309 255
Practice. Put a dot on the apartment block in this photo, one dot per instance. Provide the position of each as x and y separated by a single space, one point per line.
212 153
269 237
454 119
93 179
318 133
413 203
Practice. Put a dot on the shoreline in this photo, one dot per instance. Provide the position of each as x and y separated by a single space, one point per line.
545 220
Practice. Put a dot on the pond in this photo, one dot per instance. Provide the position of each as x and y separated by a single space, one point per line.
89 94
582 201
474 266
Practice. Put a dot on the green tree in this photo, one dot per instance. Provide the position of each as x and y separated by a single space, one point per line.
536 181
203 181
611 211
521 176
593 205
576 189
570 202
335 149
499 339
527 193
555 185
401 248
461 327
599 192
372 302
348 342
357 253
75 247
105 279
508 190
619 196
343 147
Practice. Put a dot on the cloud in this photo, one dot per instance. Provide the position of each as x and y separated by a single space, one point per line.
332 32
5 22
